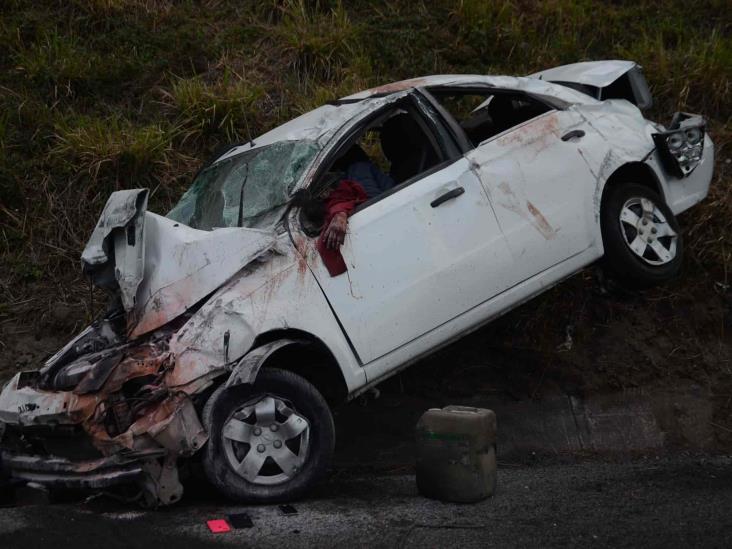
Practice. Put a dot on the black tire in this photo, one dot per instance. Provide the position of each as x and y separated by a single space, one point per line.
620 261
308 402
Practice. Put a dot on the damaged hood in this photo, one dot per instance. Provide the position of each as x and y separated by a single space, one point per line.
159 267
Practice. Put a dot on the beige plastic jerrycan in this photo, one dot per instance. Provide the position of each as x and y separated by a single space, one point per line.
456 453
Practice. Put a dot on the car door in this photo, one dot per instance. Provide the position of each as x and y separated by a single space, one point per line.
541 188
417 258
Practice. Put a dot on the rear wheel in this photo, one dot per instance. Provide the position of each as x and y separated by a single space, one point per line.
642 240
270 441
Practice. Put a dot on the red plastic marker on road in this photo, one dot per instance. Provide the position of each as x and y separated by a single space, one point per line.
218 526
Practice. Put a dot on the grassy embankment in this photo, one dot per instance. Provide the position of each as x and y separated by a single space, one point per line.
100 95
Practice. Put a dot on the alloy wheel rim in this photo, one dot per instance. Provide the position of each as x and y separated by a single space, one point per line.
647 232
266 441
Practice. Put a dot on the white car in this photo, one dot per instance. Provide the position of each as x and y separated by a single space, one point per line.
229 338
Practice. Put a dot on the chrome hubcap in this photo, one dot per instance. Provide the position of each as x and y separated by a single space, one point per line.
266 441
646 231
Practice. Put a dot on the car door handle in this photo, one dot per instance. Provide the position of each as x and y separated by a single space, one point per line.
449 195
574 133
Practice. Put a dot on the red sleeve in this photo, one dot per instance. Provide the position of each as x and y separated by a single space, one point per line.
344 198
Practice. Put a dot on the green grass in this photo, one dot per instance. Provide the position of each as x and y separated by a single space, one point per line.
110 148
225 108
97 95
319 42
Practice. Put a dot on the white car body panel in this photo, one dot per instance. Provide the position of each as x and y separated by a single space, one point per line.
544 206
277 292
412 267
182 265
473 319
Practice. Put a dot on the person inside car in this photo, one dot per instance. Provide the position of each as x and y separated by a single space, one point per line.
405 146
357 169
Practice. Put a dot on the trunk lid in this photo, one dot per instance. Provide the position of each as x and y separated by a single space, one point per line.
612 79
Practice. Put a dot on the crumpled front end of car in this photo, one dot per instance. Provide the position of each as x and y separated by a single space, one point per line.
96 418
120 402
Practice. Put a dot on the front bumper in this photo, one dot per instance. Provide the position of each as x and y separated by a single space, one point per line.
123 421
93 441
87 474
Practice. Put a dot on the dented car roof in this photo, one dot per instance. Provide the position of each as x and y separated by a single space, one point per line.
321 123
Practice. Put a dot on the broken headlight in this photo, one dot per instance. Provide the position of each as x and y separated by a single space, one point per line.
681 146
69 376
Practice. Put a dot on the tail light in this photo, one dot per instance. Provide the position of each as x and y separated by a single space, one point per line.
682 145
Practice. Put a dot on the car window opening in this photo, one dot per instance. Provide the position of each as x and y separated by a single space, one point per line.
394 148
484 114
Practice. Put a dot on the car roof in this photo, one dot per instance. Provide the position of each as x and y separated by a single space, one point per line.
527 84
321 124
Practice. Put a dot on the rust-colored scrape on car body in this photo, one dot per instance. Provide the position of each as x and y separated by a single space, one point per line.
525 209
396 86
535 131
541 222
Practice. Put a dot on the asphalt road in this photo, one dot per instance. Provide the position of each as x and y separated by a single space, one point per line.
651 502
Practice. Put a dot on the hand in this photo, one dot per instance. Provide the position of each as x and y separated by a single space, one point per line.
335 234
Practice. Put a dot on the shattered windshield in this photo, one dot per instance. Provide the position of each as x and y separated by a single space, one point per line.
271 173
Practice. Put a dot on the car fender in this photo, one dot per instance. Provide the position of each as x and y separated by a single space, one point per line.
619 136
275 293
248 367
629 139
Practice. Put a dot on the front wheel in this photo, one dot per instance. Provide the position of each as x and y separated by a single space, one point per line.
641 237
270 441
